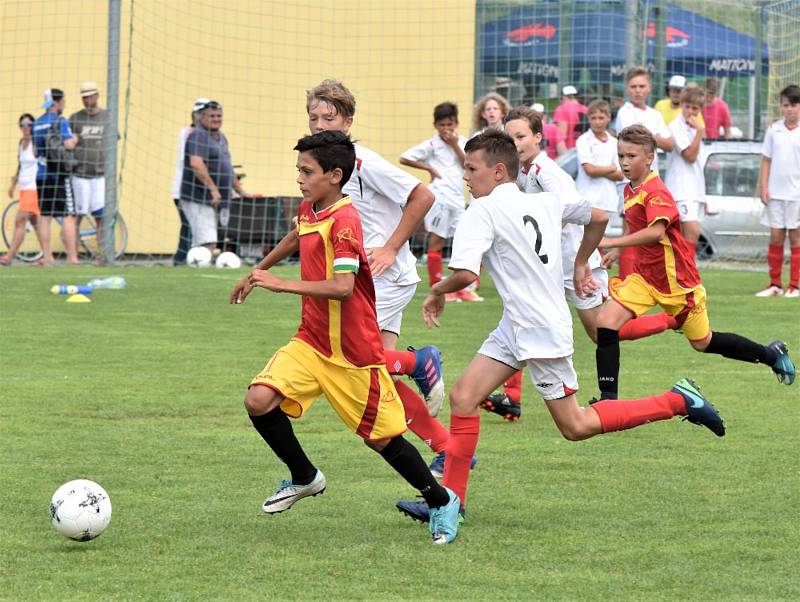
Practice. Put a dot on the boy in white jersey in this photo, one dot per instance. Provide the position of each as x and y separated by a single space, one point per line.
780 193
518 238
442 156
685 178
538 173
635 110
598 171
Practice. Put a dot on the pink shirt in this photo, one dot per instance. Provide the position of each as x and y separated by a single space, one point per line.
569 112
553 135
716 115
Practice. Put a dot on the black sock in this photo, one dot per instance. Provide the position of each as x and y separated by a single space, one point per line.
737 347
275 428
607 356
405 459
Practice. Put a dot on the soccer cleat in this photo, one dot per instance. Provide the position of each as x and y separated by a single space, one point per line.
437 465
288 493
502 404
792 293
443 521
452 298
771 291
428 376
698 409
419 511
783 366
469 296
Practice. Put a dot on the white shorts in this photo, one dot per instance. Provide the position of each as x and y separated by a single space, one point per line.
554 378
203 220
390 301
780 214
89 194
596 299
442 219
691 211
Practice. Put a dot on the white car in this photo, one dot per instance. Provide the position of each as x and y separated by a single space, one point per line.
732 228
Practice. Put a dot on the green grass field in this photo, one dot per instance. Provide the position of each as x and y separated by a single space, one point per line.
141 390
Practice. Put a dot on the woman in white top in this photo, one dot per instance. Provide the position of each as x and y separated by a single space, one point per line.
25 180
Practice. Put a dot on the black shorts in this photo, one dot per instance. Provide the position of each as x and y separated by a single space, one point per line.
55 196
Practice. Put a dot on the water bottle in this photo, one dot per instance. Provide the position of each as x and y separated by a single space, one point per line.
71 289
115 282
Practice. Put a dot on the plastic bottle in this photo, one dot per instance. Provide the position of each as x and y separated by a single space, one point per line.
71 289
116 282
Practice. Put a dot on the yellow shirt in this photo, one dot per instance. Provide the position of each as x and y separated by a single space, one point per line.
664 106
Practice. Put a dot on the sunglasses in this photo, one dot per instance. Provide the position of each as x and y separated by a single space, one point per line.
212 105
22 124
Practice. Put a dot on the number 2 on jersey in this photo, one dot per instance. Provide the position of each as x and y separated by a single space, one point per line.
537 245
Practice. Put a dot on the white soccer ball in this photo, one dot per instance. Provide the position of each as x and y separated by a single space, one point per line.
229 260
198 257
80 510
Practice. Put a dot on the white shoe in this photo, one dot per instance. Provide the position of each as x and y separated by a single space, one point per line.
792 293
770 291
288 493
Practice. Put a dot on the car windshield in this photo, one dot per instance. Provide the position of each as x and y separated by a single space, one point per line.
732 174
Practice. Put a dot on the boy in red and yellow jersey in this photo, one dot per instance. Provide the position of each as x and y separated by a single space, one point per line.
337 351
664 274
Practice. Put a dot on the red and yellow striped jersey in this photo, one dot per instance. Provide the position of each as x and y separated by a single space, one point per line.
667 265
345 332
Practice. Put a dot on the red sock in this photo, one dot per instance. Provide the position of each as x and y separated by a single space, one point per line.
775 262
513 387
618 415
400 362
647 325
434 267
419 420
627 259
794 267
464 433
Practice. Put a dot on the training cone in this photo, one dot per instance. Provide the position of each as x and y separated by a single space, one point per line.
78 299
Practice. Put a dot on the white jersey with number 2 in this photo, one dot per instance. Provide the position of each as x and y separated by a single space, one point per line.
518 238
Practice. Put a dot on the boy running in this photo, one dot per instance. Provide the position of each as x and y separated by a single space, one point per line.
337 351
664 274
518 236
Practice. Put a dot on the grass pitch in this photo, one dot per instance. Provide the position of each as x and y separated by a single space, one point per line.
141 390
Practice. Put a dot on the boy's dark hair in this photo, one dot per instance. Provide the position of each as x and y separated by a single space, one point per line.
524 113
639 135
636 72
336 94
445 110
791 93
498 147
330 150
598 105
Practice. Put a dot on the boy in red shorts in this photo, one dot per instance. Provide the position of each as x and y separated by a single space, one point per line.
665 274
337 351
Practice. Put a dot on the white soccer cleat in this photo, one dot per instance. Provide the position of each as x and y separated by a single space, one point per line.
288 493
770 291
792 293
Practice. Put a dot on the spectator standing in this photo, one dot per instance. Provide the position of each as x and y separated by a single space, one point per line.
553 139
24 179
208 176
567 115
599 169
88 179
489 112
780 193
185 235
670 107
52 178
716 112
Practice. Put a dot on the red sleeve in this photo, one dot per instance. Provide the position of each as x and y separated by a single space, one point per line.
659 205
346 237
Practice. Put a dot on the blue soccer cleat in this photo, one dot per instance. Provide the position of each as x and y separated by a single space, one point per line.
443 522
428 376
419 511
437 465
783 366
698 409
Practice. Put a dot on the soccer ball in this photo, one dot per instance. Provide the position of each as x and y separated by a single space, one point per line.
199 257
80 510
229 260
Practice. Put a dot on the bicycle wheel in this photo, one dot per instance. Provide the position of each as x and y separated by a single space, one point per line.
88 236
29 250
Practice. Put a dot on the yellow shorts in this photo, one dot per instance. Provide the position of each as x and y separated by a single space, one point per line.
364 398
689 309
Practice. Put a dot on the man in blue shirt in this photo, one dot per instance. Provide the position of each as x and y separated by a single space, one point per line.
52 178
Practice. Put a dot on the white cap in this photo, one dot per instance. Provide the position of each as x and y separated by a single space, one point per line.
199 104
677 81
569 91
538 107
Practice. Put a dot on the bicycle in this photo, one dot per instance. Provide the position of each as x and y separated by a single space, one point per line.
29 250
